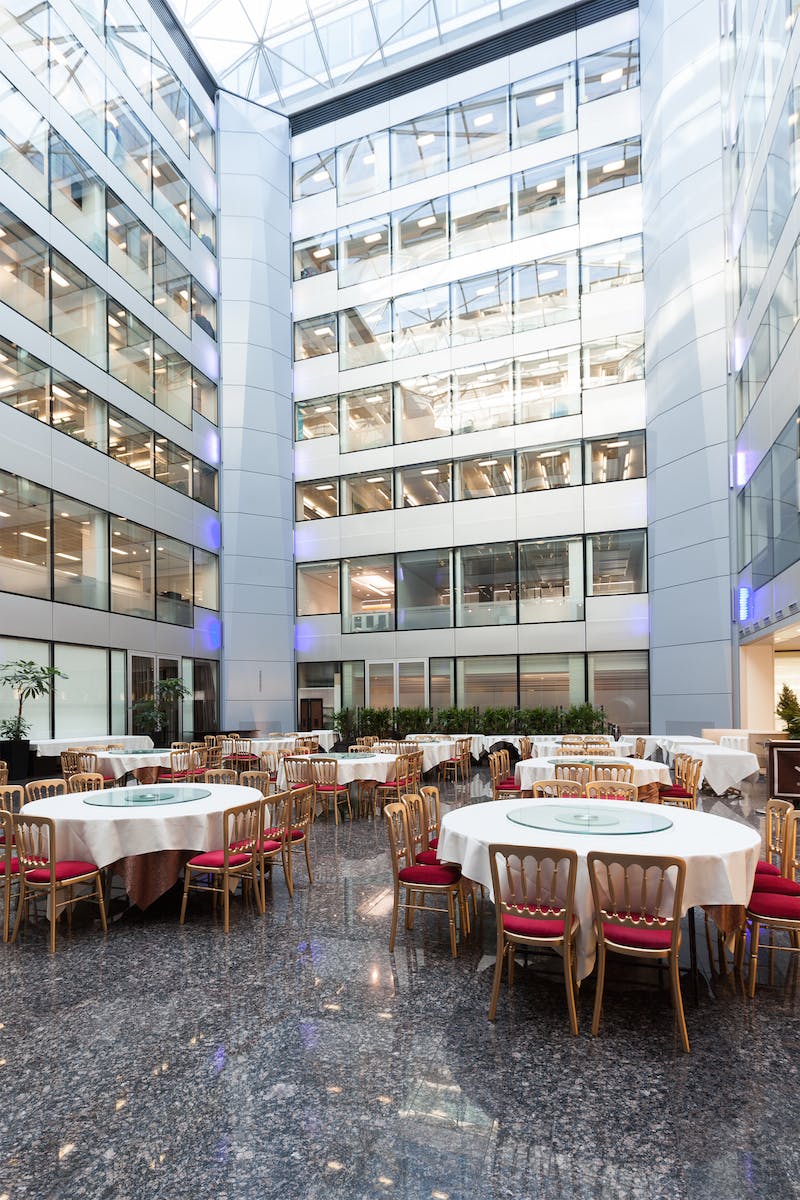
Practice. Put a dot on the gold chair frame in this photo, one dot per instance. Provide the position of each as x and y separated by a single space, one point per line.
241 832
396 818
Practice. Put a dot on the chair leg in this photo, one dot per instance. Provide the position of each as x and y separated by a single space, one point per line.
451 916
53 894
573 1012
598 995
498 977
6 907
308 860
751 978
677 999
395 912
411 909
22 902
101 903
286 856
226 903
186 873
512 959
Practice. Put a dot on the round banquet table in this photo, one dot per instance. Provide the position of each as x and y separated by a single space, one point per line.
720 854
50 748
144 764
146 845
645 772
351 767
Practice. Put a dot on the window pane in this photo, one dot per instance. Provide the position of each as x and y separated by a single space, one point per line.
482 397
23 269
313 175
23 381
411 684
619 683
206 579
80 553
488 475
616 360
203 223
204 396
130 350
545 197
171 286
609 71
171 103
546 292
422 322
425 590
486 581
610 167
314 256
23 142
317 588
130 442
130 43
367 493
315 336
77 195
479 128
130 247
364 251
24 537
353 687
362 167
205 484
170 193
544 105
616 458
548 385
174 586
80 696
76 81
381 684
316 418
365 335
128 144
617 563
316 499
23 28
367 594
441 681
551 580
419 148
541 470
482 307
427 484
201 134
611 264
366 418
79 310
552 680
785 520
420 234
173 382
422 408
79 412
479 217
119 691
173 466
487 682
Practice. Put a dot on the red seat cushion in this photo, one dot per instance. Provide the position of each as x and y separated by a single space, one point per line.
393 783
766 868
427 858
433 842
535 927
644 937
776 885
673 790
216 858
433 876
771 904
328 787
508 782
68 868
14 867
168 775
274 832
269 846
109 779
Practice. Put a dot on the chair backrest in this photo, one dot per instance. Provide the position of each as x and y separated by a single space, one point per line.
270 760
301 808
40 789
617 772
324 772
691 780
179 761
396 817
220 775
403 768
637 891
533 882
7 844
256 779
356 748
210 739
433 812
227 745
417 827
569 749
572 739
12 796
639 748
87 762
86 781
596 739
241 828
299 748
549 789
598 748
679 764
297 769
580 773
609 789
34 842
213 758
114 746
369 742
3 772
776 829
179 746
70 762
525 747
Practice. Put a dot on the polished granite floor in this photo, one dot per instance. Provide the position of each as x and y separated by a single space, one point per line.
297 1058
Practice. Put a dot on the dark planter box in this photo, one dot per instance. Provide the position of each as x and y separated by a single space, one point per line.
16 754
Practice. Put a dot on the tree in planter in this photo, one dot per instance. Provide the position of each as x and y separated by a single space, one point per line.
29 681
153 713
788 709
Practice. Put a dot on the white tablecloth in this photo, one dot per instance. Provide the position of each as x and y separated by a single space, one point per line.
52 748
734 741
351 768
434 753
119 764
723 769
528 770
105 835
685 744
325 737
720 854
276 745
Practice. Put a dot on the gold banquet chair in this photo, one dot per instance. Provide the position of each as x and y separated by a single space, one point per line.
238 859
45 789
556 789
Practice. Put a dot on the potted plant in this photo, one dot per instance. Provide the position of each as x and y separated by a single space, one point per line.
28 680
153 713
788 709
